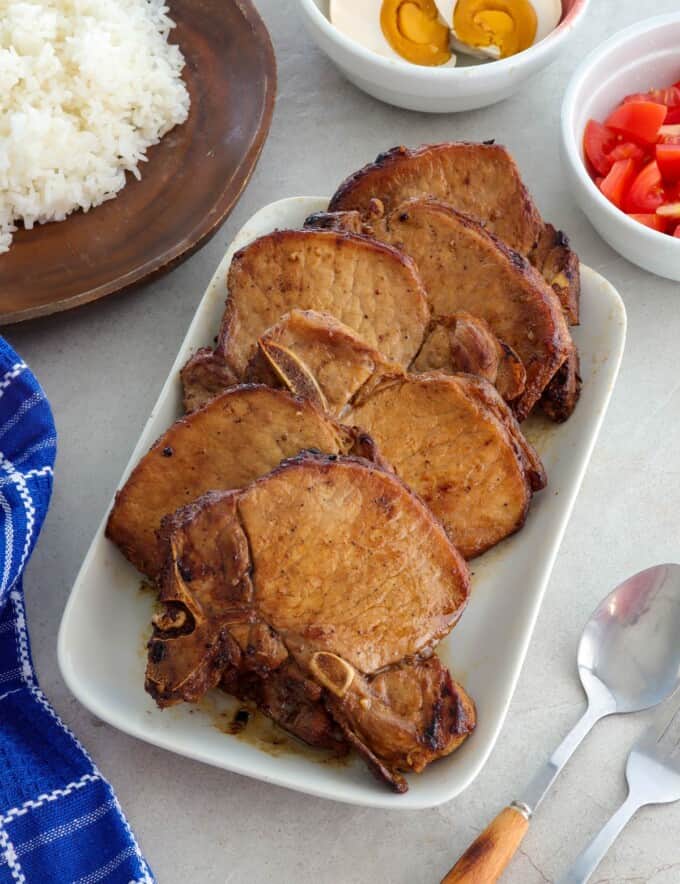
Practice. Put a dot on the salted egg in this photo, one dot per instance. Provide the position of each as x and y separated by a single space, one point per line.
498 28
410 30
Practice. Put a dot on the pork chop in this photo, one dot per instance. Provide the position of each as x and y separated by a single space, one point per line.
353 574
370 286
481 180
450 437
446 443
465 268
242 434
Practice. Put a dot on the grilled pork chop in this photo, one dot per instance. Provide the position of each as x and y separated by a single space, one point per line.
354 577
480 180
451 438
371 287
465 268
236 438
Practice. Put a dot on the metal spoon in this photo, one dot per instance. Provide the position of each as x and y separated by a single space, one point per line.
628 660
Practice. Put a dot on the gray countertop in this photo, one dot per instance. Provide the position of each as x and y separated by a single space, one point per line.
102 367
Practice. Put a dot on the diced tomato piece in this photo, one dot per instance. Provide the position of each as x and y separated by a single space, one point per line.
656 222
669 133
597 142
677 231
668 160
618 180
673 115
670 97
646 193
640 120
626 150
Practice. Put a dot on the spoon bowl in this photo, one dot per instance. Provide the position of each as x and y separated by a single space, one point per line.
629 653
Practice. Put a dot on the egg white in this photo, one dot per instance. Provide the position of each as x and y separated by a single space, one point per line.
360 21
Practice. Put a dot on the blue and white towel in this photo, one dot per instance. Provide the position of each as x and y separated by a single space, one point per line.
60 822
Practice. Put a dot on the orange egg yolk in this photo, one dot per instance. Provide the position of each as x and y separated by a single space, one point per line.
509 24
415 31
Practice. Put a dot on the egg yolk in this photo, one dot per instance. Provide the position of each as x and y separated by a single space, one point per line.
414 30
509 24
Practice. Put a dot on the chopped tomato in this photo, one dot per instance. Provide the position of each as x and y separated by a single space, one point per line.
670 97
656 222
617 181
668 160
677 231
626 150
646 193
640 120
673 115
597 142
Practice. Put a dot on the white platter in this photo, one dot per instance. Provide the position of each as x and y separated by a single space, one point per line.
106 621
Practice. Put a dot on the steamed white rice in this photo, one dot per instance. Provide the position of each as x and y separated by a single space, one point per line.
86 86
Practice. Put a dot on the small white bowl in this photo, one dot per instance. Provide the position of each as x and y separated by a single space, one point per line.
641 57
432 89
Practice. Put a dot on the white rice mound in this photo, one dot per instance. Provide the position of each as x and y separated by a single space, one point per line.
86 86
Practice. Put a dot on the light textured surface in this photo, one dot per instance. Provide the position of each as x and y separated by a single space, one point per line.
103 366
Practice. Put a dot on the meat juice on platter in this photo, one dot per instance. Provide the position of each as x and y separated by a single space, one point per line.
352 439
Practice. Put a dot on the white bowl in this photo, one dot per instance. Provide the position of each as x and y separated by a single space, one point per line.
436 90
641 57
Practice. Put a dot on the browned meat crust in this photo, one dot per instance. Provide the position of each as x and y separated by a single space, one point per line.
205 376
350 572
370 286
561 395
481 180
237 437
559 266
463 342
465 268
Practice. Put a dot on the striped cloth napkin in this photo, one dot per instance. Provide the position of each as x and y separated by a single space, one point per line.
59 819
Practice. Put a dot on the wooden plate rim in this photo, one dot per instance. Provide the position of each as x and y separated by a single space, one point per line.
161 265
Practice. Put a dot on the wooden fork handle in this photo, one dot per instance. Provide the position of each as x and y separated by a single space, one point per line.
486 858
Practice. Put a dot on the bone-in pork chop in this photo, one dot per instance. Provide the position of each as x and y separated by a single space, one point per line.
371 287
353 574
480 180
236 438
465 268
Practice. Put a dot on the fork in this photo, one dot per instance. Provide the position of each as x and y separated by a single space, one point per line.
653 775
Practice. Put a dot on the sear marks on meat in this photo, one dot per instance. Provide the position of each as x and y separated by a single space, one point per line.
561 395
465 343
290 699
369 286
464 268
353 574
480 180
237 437
559 266
402 718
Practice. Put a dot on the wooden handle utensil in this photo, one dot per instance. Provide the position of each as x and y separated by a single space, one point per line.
486 858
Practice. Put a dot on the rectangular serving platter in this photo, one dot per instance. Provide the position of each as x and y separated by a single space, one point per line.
106 621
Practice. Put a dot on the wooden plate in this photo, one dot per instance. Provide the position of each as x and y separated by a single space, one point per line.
190 184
